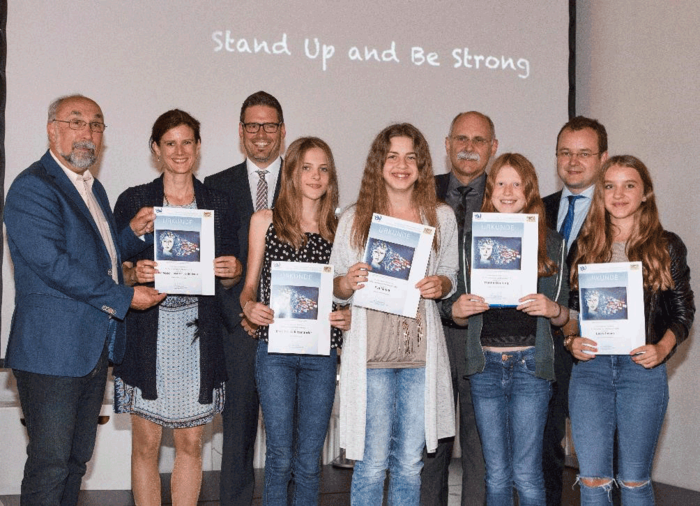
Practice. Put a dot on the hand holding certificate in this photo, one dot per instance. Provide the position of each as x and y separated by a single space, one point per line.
184 251
504 257
612 306
398 252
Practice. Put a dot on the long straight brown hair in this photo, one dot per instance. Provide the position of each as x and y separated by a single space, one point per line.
533 203
647 243
287 215
373 197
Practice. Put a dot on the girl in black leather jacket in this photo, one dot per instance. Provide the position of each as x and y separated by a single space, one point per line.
627 393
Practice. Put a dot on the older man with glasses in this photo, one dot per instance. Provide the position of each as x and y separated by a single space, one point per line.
70 299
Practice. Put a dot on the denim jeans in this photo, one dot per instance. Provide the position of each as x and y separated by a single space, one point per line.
510 403
61 416
285 383
394 438
609 393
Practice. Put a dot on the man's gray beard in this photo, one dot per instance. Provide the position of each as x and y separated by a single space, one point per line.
469 156
79 160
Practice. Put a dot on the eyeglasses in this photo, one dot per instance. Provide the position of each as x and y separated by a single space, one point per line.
78 124
479 142
582 155
252 128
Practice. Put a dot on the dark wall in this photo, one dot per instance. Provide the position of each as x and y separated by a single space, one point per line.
3 97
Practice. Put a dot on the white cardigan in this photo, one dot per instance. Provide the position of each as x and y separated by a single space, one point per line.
439 400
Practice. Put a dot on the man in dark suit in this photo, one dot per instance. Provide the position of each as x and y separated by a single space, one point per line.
582 147
470 146
70 300
253 185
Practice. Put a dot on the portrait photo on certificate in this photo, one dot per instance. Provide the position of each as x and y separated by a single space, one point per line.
397 252
184 250
611 300
301 295
504 257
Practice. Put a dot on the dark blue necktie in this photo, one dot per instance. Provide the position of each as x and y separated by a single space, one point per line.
568 224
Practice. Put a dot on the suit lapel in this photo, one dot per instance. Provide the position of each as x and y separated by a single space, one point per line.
67 187
69 190
101 197
242 180
551 209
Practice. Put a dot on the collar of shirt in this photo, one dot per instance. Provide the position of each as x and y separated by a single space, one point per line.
75 178
565 192
273 169
273 172
581 208
453 196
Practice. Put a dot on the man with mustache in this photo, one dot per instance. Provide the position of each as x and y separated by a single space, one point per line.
470 145
253 184
70 299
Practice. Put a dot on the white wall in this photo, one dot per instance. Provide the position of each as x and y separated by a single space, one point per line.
638 72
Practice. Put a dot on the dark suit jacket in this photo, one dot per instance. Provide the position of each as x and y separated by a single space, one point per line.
234 181
551 208
551 211
442 181
64 292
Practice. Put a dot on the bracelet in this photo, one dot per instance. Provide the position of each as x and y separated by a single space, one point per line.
558 314
568 340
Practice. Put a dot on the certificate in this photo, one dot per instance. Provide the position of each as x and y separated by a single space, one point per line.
184 250
398 252
504 257
611 298
301 295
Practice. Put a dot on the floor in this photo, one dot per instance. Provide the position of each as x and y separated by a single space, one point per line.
335 489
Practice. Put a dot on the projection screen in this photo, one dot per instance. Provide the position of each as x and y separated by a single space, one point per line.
342 71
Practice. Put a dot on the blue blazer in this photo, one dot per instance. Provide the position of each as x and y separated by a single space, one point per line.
65 297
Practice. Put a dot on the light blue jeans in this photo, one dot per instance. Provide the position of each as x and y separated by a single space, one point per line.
286 382
394 438
609 393
510 404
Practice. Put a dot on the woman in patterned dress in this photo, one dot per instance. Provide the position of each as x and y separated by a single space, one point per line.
301 228
173 371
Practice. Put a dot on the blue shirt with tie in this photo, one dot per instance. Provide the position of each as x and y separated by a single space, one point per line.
581 208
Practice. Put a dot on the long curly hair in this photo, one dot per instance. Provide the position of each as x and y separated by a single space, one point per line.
373 197
287 214
647 242
533 203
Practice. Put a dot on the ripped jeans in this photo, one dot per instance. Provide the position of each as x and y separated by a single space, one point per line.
608 393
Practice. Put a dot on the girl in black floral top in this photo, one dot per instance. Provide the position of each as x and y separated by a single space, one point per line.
300 229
